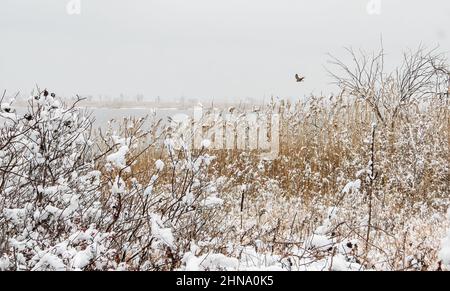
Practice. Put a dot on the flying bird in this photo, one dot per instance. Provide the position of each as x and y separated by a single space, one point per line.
298 78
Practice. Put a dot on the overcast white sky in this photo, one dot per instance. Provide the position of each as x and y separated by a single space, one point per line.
201 48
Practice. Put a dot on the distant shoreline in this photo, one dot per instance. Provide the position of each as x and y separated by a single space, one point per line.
166 106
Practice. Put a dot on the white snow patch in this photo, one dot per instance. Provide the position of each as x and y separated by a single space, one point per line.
163 234
211 202
206 143
159 165
318 241
209 262
82 259
118 158
444 253
352 186
49 262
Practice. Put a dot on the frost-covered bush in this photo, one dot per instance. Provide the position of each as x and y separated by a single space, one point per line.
50 198
70 200
156 211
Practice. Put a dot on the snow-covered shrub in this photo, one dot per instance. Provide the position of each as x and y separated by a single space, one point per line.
70 200
50 189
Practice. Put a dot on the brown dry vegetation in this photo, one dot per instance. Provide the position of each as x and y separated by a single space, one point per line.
325 143
315 164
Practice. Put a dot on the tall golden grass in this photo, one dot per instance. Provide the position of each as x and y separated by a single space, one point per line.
325 143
